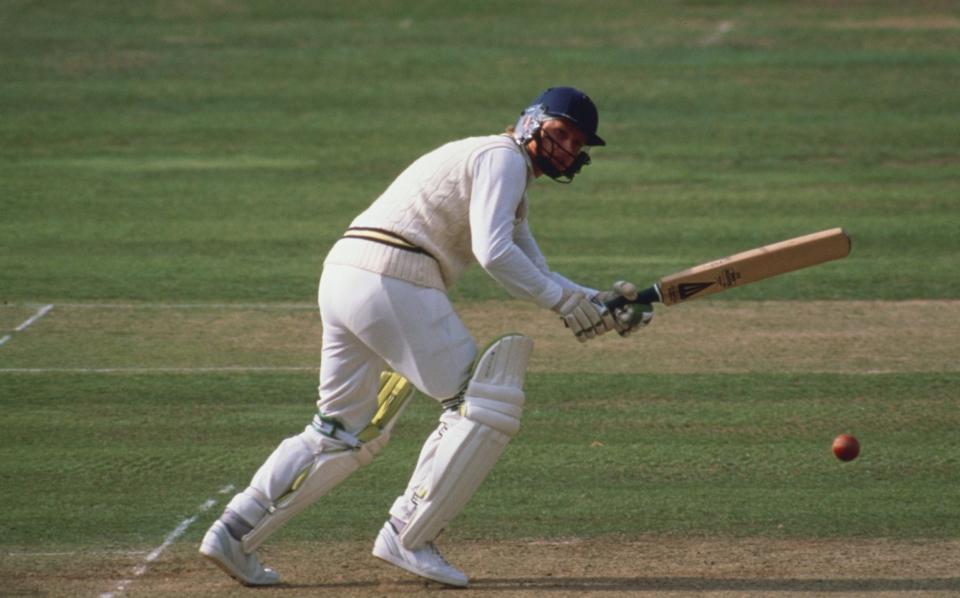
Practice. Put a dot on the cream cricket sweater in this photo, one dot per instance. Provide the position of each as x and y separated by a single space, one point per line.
461 203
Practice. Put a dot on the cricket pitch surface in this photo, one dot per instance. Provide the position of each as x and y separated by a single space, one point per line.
654 566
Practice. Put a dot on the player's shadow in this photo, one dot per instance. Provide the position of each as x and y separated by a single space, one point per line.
713 584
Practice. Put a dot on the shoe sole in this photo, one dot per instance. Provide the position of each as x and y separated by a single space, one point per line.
211 555
397 562
223 567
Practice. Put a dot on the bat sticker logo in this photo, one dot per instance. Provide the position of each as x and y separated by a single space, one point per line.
689 289
728 278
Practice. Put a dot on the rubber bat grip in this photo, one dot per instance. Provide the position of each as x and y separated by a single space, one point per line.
647 295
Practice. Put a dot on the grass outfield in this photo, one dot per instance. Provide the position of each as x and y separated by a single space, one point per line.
173 173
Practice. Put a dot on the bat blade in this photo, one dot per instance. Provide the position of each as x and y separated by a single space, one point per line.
745 267
754 265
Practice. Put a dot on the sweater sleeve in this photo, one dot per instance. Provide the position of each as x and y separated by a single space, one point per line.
525 241
499 182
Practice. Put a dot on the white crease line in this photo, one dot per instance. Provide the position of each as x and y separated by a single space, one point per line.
140 569
161 370
40 313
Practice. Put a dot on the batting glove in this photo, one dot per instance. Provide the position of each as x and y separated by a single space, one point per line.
630 317
586 318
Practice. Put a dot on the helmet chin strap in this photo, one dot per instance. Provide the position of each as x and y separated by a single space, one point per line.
546 165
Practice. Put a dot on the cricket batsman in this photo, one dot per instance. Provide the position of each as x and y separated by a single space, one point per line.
389 328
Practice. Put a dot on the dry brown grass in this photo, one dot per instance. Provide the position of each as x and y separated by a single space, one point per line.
705 337
842 337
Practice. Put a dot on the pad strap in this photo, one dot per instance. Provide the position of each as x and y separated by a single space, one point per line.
395 391
332 428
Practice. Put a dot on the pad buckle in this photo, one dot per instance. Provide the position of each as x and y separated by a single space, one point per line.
454 403
332 428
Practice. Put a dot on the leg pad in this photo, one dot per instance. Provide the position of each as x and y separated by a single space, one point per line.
468 450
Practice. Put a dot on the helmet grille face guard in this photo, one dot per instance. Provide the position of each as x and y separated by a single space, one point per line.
558 102
530 127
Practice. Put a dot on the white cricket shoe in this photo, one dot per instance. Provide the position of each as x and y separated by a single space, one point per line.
425 561
225 552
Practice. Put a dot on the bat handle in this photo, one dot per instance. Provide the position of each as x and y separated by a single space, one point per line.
648 295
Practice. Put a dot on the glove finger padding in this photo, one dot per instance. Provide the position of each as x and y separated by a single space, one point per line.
621 288
627 289
579 324
583 316
607 319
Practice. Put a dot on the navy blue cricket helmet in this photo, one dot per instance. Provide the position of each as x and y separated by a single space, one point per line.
574 105
559 102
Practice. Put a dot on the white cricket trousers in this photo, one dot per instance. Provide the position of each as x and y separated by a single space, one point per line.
370 323
373 322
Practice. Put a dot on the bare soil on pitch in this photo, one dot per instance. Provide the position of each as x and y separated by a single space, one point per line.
647 566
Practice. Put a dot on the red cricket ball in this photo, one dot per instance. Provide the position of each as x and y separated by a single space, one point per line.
846 447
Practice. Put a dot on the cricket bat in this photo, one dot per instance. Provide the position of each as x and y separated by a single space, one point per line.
744 268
